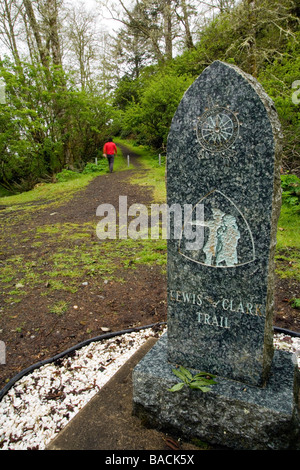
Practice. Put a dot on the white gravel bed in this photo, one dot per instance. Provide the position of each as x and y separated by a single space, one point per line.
42 403
288 343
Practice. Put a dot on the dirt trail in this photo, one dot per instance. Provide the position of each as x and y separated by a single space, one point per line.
30 332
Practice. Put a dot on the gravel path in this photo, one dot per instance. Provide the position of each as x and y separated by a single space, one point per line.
40 404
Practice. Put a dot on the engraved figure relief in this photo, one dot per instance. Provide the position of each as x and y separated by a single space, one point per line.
227 238
210 248
221 245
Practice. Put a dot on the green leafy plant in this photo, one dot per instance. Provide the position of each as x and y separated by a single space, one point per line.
295 303
201 381
93 168
290 189
66 175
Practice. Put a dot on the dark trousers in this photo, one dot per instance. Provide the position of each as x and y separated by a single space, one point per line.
110 159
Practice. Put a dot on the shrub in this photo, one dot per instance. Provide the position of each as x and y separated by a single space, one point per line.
66 175
290 190
93 168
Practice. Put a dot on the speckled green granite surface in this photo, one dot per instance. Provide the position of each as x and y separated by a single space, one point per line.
223 188
223 156
232 414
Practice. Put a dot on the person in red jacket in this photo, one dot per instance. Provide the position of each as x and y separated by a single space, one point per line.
109 151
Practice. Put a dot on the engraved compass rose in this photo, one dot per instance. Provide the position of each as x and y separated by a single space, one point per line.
217 129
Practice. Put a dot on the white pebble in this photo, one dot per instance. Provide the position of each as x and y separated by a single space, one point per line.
42 403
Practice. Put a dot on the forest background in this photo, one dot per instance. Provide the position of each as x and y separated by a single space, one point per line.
69 81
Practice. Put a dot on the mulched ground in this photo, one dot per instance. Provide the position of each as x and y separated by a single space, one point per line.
140 300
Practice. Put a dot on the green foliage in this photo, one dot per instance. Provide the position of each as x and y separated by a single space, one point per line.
290 190
126 93
91 168
47 125
201 381
261 38
150 118
295 303
277 79
66 175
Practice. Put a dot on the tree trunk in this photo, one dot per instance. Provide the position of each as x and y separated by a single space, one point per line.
52 41
53 31
167 16
188 36
11 32
252 21
43 51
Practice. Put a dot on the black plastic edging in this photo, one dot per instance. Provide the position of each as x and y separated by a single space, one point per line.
294 334
30 369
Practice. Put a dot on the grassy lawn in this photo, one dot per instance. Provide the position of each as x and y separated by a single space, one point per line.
69 253
288 244
64 265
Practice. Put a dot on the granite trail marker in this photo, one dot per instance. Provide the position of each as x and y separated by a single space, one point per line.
223 156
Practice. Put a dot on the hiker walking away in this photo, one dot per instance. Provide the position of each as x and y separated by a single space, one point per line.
109 151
